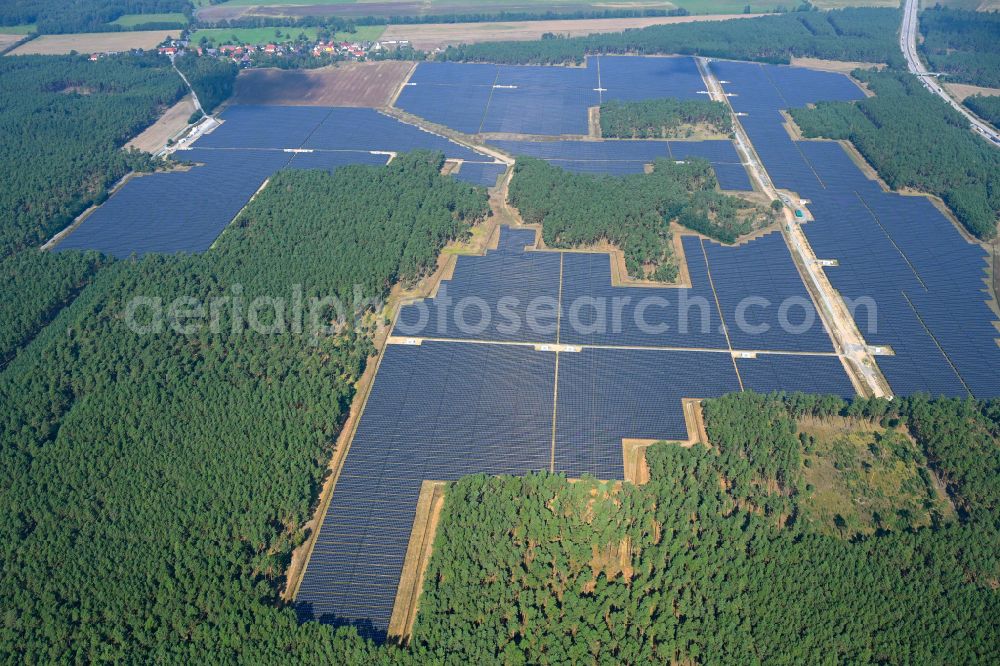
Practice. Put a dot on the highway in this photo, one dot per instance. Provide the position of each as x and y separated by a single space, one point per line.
908 44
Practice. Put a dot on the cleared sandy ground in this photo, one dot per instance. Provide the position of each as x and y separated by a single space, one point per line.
172 121
368 84
94 42
7 40
438 35
843 66
961 90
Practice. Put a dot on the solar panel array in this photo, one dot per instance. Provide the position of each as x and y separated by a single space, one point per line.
186 211
620 157
540 100
479 173
606 395
917 282
483 400
438 411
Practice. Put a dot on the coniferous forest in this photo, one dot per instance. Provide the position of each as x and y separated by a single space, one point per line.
713 561
64 121
632 212
865 35
157 464
663 118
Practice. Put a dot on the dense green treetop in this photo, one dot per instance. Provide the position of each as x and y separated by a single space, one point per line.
632 212
867 35
964 45
154 484
662 118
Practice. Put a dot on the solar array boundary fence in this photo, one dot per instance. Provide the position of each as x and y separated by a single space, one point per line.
925 278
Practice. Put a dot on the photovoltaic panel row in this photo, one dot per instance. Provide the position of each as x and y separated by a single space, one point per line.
178 211
923 281
260 126
437 411
481 173
769 373
540 100
506 295
367 129
606 395
763 300
456 106
596 313
623 157
630 78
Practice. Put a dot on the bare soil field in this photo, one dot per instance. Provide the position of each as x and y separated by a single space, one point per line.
368 84
94 42
842 66
402 8
439 35
172 121
7 40
962 90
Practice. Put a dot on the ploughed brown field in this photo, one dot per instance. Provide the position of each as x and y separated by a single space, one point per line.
366 84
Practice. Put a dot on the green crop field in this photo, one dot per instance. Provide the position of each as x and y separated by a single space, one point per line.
23 29
130 20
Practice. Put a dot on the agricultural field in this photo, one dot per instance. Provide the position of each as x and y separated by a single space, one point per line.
94 41
439 35
7 40
132 20
371 84
22 30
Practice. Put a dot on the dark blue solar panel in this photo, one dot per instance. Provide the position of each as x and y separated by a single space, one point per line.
918 284
176 211
635 78
253 126
479 173
763 299
367 129
186 211
606 395
784 372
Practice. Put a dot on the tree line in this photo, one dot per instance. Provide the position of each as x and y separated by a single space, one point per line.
154 484
632 212
64 121
986 107
710 562
211 78
914 139
662 118
866 35
965 45
59 16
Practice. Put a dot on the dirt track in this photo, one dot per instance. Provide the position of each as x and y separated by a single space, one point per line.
369 84
438 35
99 42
